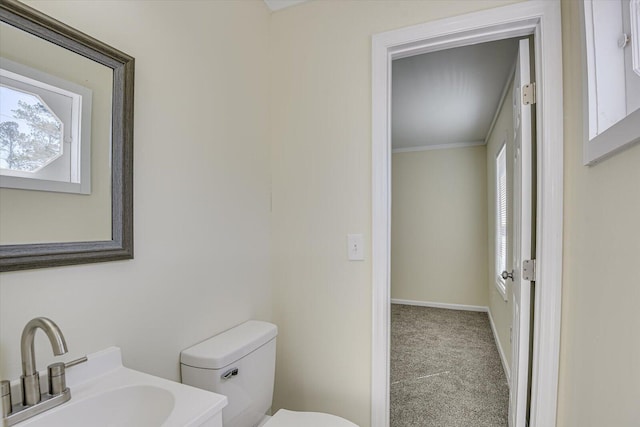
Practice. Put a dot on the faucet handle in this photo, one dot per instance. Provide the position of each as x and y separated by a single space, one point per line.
76 362
57 381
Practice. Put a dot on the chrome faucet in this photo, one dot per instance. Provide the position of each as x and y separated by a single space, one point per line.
34 402
30 377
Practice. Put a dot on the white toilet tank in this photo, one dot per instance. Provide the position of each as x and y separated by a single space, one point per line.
240 364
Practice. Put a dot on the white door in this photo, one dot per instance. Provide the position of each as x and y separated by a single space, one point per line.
522 229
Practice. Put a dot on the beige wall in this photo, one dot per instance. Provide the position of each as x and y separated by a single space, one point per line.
321 163
501 310
321 177
201 191
600 348
439 226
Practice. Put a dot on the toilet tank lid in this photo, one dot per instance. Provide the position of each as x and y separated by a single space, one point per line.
229 346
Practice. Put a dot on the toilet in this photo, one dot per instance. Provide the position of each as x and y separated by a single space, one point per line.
240 363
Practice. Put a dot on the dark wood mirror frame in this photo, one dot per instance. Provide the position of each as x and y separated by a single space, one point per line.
40 255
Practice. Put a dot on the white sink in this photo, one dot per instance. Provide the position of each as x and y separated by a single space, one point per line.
106 394
127 406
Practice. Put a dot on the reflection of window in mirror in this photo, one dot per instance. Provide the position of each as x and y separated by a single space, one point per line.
613 75
44 131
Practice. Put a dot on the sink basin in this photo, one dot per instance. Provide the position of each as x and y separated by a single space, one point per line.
124 407
106 394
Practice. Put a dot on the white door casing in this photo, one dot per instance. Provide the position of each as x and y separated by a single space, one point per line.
540 18
522 193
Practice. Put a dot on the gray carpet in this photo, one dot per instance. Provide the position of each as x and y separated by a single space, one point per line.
445 369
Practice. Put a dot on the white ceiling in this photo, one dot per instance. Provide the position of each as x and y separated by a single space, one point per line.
450 96
281 4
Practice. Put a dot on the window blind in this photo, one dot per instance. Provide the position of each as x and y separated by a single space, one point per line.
501 211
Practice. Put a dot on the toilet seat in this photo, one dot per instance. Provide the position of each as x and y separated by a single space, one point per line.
285 418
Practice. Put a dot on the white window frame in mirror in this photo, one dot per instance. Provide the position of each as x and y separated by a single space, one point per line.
610 122
77 124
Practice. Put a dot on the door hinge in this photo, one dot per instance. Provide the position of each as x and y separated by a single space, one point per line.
529 269
529 94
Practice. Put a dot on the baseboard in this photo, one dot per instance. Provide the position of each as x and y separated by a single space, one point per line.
503 359
440 305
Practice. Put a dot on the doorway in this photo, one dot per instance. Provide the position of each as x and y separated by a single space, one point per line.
540 19
451 314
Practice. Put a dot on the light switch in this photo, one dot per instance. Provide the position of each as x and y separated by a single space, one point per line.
355 249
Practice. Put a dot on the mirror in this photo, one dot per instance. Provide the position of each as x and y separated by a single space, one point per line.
89 219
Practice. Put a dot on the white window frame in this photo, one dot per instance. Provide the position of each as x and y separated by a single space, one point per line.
609 123
77 140
501 261
634 13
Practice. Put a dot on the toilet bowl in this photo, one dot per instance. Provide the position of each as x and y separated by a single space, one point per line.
285 418
240 364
